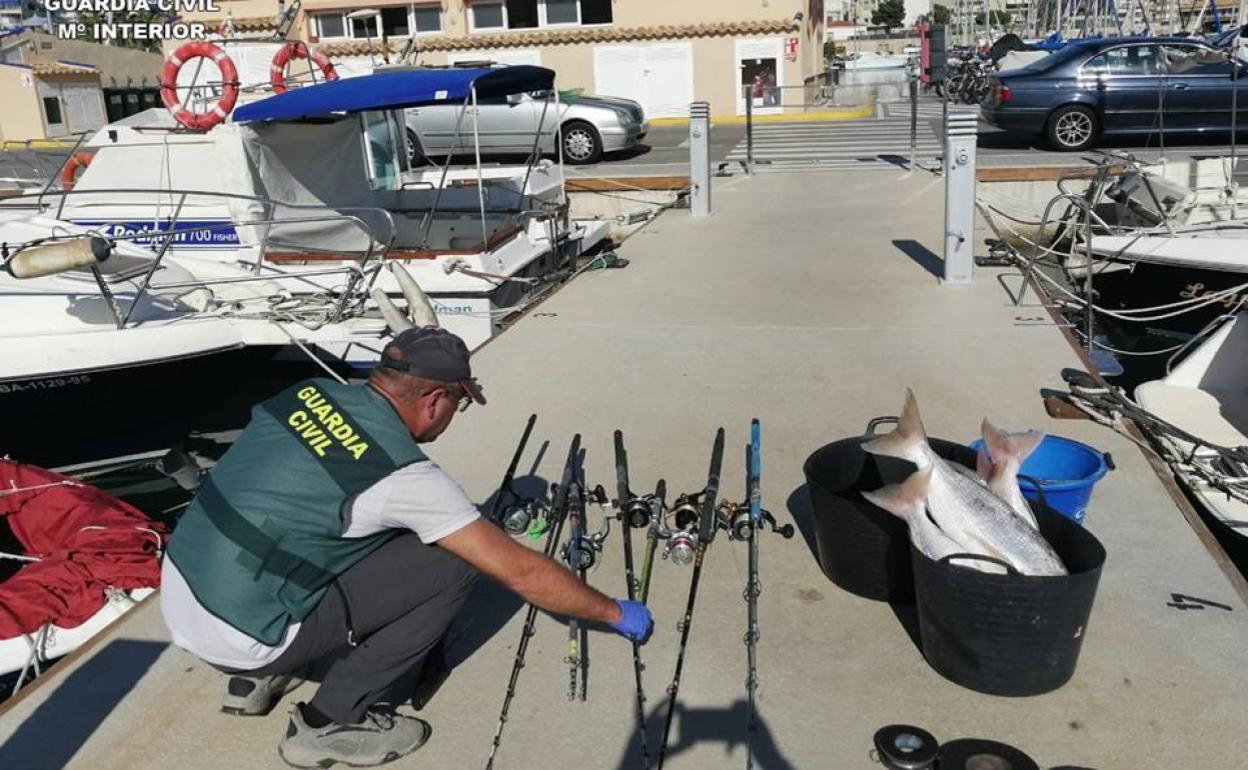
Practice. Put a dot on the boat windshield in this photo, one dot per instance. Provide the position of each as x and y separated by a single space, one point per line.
382 145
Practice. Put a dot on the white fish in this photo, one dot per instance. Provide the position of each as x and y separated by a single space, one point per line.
1003 454
908 501
965 510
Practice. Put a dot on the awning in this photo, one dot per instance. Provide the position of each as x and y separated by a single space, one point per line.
395 90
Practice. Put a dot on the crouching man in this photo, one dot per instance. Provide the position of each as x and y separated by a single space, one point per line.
326 534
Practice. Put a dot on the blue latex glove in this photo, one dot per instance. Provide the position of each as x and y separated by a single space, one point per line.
635 623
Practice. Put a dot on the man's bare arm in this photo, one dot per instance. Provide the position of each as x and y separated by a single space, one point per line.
535 577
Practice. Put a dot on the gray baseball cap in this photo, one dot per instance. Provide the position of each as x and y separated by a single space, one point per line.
435 354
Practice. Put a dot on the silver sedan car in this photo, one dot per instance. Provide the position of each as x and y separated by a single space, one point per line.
590 127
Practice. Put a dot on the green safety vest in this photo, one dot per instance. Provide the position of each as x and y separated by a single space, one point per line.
262 540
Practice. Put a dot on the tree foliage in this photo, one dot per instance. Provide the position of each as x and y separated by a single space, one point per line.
996 18
941 14
889 14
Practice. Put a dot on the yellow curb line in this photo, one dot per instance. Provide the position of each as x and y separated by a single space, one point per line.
36 144
856 113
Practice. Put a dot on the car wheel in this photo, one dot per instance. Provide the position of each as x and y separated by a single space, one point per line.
415 155
581 143
1072 127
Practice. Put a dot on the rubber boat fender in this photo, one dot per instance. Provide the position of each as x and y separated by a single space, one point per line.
905 747
975 753
297 49
394 317
199 49
418 307
53 258
76 162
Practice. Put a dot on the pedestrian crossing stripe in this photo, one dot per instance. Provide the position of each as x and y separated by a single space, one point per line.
879 143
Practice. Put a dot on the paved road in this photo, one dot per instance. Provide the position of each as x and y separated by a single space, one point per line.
880 143
666 152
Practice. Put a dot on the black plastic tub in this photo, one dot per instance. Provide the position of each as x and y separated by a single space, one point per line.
863 548
1010 634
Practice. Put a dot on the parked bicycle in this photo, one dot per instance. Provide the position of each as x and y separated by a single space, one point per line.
966 80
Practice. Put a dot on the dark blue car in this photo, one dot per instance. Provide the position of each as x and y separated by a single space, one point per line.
1119 87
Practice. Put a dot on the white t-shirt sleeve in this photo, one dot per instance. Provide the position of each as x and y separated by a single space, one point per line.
419 497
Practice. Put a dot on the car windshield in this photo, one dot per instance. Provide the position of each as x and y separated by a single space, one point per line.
1054 59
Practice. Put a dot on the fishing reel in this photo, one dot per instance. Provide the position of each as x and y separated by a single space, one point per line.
583 555
735 517
682 539
635 513
517 519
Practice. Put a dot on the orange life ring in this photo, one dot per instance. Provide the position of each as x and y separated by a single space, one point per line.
77 161
297 49
200 121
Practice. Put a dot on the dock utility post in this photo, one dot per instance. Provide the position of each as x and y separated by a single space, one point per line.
960 134
700 158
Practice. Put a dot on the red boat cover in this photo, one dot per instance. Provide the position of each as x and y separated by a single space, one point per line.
86 541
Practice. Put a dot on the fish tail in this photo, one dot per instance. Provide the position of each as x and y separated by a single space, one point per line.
984 466
900 499
1003 447
905 438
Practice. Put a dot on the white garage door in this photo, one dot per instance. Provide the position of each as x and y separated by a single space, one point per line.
658 76
84 106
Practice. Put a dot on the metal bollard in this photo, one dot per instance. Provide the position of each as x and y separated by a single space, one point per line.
700 158
749 130
961 131
914 117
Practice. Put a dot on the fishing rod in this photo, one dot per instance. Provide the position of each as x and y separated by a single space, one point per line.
708 522
658 506
573 554
753 586
558 513
744 522
507 516
635 513
581 554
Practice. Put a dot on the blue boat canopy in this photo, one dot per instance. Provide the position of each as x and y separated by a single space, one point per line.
394 90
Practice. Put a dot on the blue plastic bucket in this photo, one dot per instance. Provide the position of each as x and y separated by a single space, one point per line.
1065 470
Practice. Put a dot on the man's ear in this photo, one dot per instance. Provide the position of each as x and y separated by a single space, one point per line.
431 405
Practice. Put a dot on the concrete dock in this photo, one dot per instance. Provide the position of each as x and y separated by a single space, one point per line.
809 301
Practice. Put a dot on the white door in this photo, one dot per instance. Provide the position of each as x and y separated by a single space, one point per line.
760 75
669 78
84 106
618 72
53 108
659 77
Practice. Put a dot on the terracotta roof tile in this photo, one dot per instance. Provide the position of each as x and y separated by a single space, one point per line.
63 68
253 24
570 36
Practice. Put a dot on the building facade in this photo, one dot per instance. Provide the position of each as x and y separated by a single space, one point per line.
661 53
53 88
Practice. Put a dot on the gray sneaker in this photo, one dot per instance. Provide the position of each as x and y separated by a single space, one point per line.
254 696
376 739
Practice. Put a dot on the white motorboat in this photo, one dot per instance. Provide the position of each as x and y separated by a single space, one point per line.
874 60
98 333
1206 397
480 241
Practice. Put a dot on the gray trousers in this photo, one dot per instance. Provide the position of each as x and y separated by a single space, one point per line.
399 602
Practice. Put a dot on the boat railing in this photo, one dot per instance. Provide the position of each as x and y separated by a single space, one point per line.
379 232
361 268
